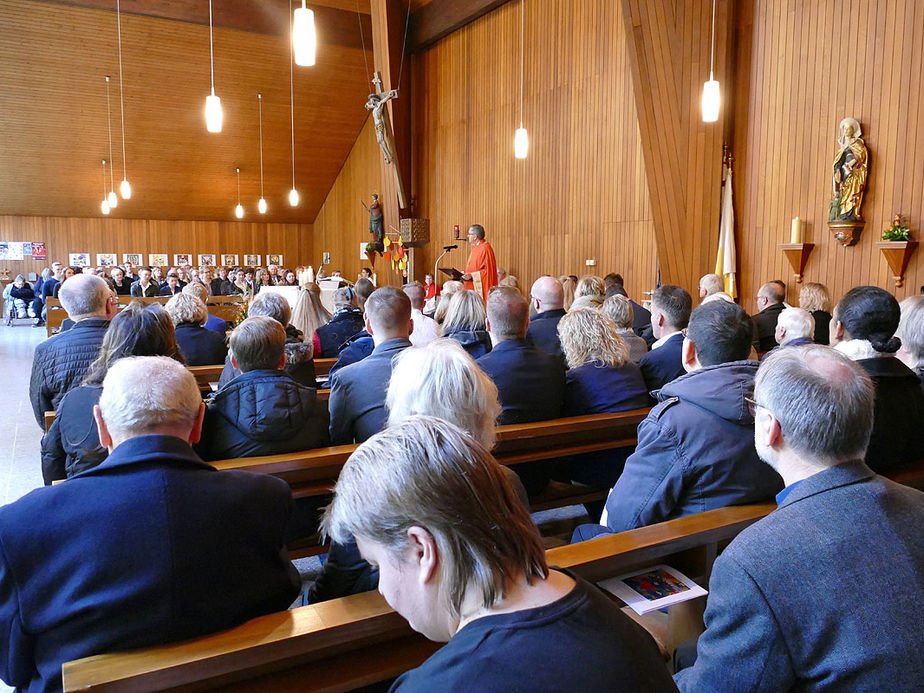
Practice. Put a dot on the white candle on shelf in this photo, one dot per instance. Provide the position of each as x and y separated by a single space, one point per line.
795 235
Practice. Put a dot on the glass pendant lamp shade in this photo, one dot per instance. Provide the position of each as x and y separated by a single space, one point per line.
104 207
113 199
521 143
213 115
304 37
293 197
711 101
239 211
125 189
261 206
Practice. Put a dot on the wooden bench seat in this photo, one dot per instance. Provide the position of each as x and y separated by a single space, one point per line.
355 641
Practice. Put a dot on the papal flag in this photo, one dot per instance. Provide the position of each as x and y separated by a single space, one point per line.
726 258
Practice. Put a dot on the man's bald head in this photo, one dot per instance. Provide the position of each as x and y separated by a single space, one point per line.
388 314
508 314
548 294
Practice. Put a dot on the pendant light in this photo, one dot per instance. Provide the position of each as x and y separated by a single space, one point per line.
125 187
293 193
213 115
711 98
261 205
304 36
239 210
104 205
521 138
113 199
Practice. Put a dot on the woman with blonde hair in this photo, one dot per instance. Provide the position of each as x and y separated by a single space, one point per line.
465 323
618 308
449 288
814 298
567 284
309 314
589 292
601 378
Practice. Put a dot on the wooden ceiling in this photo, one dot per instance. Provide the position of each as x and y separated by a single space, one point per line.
53 60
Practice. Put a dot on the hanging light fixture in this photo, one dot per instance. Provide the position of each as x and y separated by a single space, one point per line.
711 97
239 210
521 138
293 193
104 205
304 36
261 205
213 115
125 187
112 197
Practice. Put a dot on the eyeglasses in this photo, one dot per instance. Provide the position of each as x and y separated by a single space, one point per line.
753 406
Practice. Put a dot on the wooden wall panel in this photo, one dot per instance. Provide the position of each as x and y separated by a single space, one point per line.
582 192
803 67
65 235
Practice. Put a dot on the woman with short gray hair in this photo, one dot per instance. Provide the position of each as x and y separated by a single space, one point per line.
618 308
201 347
911 332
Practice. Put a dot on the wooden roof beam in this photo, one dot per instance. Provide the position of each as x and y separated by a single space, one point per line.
440 18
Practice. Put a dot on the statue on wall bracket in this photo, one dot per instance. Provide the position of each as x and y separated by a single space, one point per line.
851 168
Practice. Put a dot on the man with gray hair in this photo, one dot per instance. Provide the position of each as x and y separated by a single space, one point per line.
794 327
149 547
770 299
825 592
710 284
547 304
346 321
60 362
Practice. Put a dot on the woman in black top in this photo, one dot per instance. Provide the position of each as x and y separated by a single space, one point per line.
200 347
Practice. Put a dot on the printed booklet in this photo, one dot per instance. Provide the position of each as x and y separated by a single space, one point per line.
653 588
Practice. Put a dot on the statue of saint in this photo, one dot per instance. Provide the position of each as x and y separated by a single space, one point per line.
851 167
376 221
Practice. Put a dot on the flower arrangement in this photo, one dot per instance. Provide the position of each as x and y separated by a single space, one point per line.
242 312
896 232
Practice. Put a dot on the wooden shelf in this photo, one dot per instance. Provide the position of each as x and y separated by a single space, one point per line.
897 254
798 255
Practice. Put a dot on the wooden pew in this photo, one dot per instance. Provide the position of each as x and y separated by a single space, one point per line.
356 641
322 366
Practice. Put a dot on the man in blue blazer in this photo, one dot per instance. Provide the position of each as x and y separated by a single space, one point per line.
547 299
357 391
151 546
670 313
825 592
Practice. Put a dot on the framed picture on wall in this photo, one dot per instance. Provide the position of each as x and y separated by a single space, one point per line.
107 259
252 260
274 260
158 259
135 258
38 251
207 260
229 260
78 259
182 260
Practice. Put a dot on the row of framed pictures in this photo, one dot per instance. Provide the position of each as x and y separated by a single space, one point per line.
179 260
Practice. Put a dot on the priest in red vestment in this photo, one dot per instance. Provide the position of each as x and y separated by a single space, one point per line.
481 269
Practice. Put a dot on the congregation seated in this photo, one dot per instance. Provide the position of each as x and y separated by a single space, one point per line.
460 558
361 344
911 332
212 322
618 308
710 284
814 298
600 378
146 286
425 328
695 449
530 382
770 299
200 347
567 289
357 391
21 295
72 443
589 292
38 302
309 314
346 321
66 274
670 313
464 322
794 327
262 411
449 288
217 283
151 546
641 316
122 286
61 361
299 353
171 285
547 300
823 593
863 326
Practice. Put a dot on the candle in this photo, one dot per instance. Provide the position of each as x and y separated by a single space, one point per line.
795 235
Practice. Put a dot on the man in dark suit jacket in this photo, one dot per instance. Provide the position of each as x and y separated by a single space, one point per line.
670 313
357 391
145 287
530 382
151 546
823 593
770 304
547 299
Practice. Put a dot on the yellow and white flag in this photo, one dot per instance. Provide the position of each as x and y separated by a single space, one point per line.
726 258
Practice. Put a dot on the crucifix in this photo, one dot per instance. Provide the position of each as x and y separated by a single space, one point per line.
383 132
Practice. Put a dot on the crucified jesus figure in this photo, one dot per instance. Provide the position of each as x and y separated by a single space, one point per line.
376 104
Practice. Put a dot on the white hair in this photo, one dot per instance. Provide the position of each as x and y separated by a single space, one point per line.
711 284
718 296
144 393
84 294
797 322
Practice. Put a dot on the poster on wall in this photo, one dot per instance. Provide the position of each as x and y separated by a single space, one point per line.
38 251
11 250
158 259
252 260
229 260
135 259
182 260
79 259
107 259
207 260
274 260
27 250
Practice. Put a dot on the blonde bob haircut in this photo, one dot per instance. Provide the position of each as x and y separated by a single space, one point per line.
589 336
590 285
185 308
442 380
567 285
465 312
619 309
814 296
424 472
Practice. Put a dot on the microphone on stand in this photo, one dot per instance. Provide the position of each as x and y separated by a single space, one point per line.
450 247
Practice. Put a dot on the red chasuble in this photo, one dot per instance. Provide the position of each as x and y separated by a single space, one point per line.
482 260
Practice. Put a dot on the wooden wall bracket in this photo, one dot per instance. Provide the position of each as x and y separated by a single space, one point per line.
897 254
798 255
